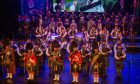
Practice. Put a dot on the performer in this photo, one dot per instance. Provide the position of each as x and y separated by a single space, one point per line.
49 50
119 35
39 58
114 33
93 33
95 64
66 23
30 61
21 52
104 49
72 31
81 23
132 31
9 60
57 61
99 25
52 25
119 55
124 29
90 23
63 33
63 48
104 34
40 30
85 56
75 59
86 34
59 27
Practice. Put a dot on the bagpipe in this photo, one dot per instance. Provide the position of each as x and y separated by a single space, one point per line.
74 58
56 56
95 58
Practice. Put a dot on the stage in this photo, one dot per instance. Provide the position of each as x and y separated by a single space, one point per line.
130 73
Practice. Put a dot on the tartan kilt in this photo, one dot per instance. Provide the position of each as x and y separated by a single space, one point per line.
75 68
30 67
57 67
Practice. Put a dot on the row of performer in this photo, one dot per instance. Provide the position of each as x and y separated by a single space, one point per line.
90 57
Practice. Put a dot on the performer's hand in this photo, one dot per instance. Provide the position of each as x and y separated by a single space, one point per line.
117 58
122 57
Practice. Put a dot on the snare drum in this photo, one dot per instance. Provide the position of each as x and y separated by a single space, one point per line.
54 36
79 36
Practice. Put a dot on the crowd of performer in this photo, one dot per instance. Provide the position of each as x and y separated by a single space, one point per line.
87 39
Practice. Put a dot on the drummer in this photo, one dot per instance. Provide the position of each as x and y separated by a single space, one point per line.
63 33
93 33
72 31
86 35
114 33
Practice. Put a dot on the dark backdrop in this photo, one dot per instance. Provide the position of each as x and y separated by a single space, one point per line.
10 11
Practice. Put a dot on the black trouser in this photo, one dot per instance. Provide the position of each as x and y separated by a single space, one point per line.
119 67
104 65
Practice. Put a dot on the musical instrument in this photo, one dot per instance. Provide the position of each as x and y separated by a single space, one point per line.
54 36
94 59
79 36
7 59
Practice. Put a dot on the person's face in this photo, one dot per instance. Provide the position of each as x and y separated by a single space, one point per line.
7 47
74 49
83 28
99 21
83 46
72 27
103 42
21 46
28 41
36 46
119 42
29 51
73 21
96 50
55 49
63 30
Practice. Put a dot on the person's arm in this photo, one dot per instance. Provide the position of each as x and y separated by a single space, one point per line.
19 52
115 50
69 32
100 49
68 47
64 34
124 51
76 30
47 52
108 45
96 32
112 32
41 52
116 57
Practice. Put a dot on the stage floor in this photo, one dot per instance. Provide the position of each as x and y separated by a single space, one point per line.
130 74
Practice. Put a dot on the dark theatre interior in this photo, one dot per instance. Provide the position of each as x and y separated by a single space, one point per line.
70 42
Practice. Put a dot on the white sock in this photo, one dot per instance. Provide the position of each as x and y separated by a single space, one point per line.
76 79
29 77
57 77
32 77
96 79
8 75
73 79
